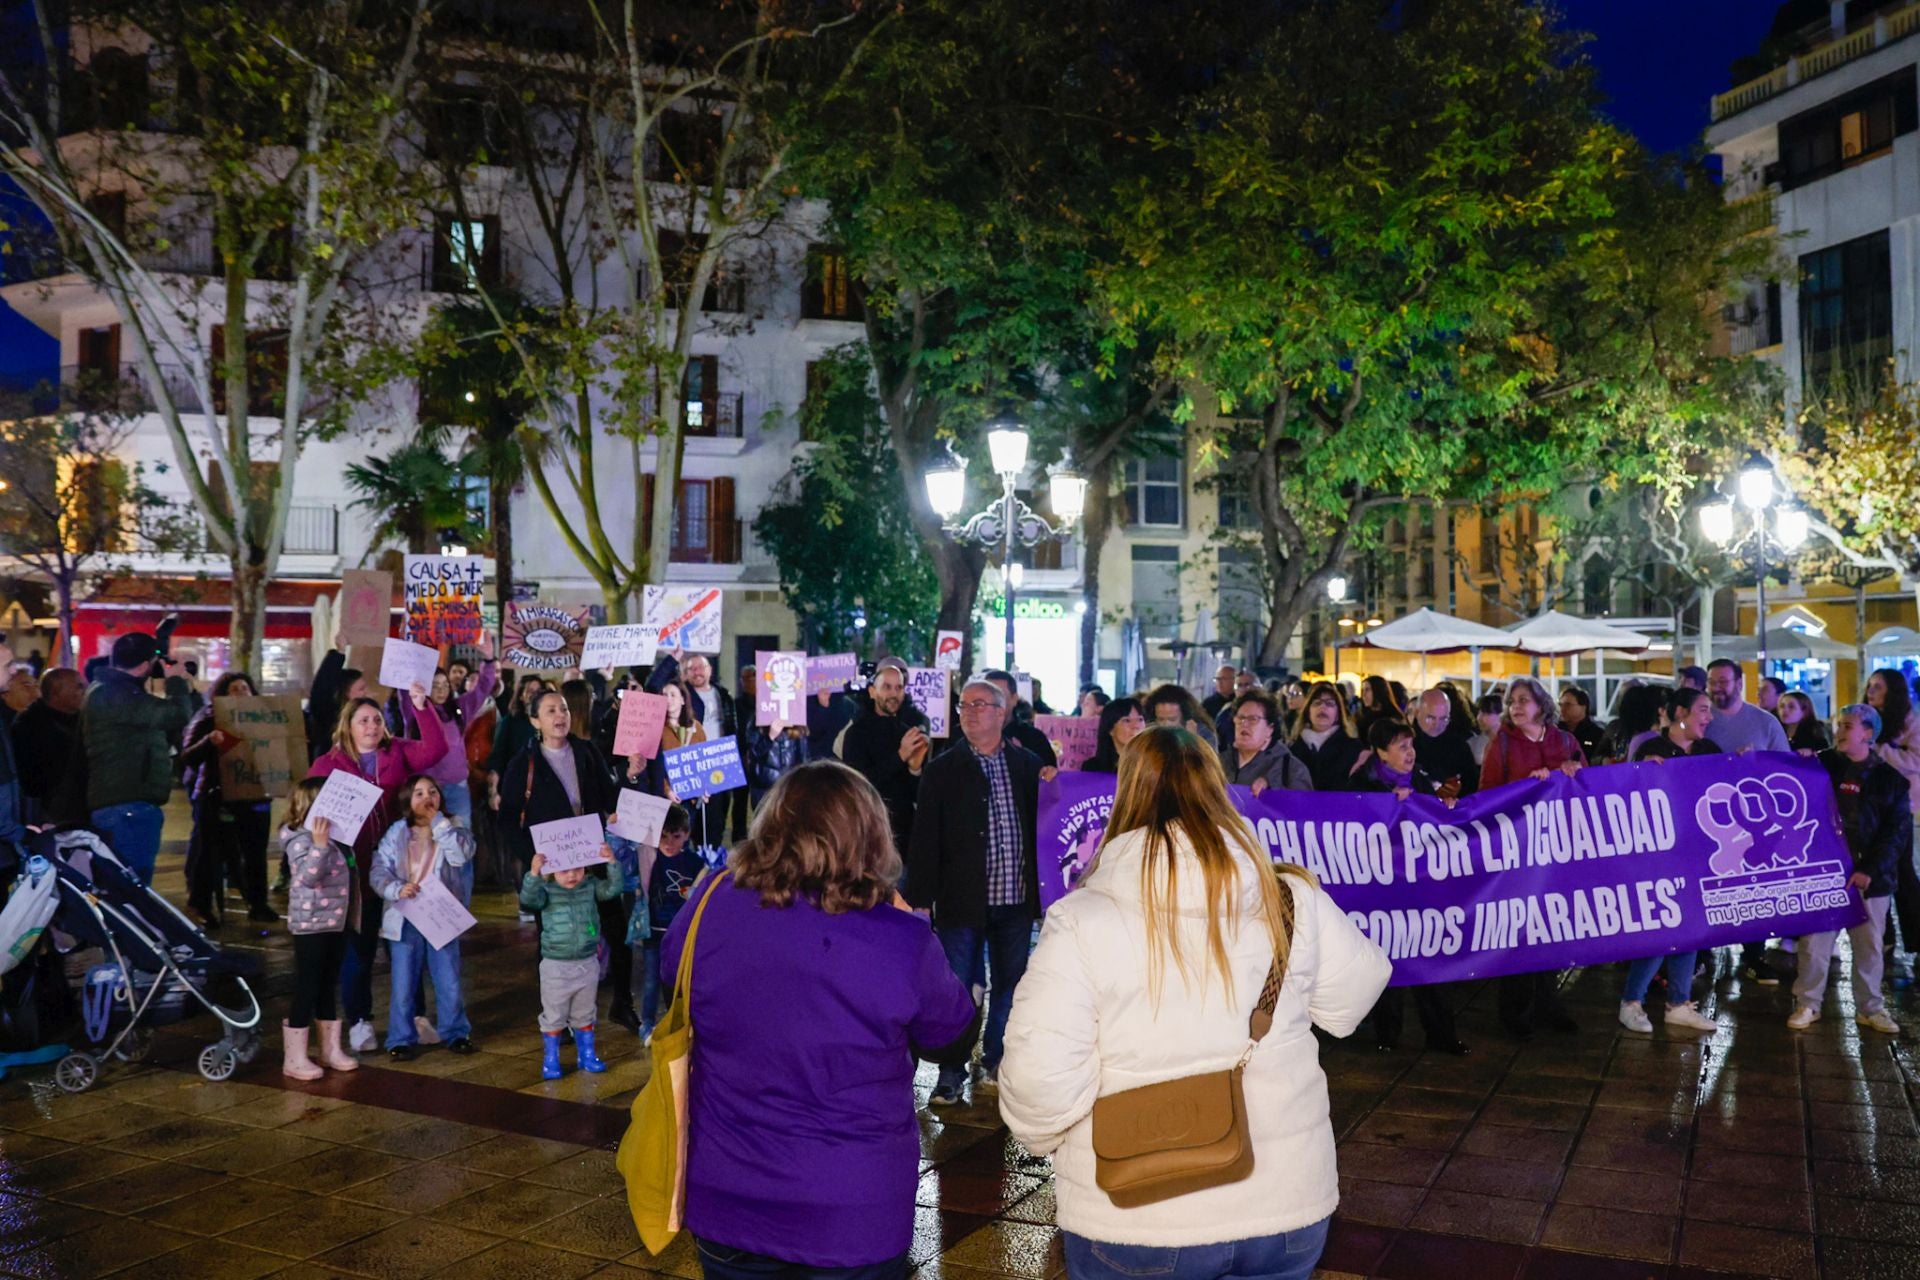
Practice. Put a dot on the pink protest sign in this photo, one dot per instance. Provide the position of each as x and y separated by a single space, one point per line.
642 717
779 695
1074 738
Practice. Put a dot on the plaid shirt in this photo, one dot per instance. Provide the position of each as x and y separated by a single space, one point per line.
1006 887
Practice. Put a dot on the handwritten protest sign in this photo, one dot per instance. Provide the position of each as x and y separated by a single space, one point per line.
568 842
631 644
366 605
436 913
443 598
927 686
642 717
831 672
705 768
779 695
541 637
404 664
688 618
1607 865
269 751
1023 686
640 817
346 802
1074 738
947 648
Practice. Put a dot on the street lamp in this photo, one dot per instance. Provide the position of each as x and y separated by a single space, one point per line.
1337 594
1007 522
1787 530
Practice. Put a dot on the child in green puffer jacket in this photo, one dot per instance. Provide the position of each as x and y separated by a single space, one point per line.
569 968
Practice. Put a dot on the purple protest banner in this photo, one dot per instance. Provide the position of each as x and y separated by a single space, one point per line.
831 672
1611 864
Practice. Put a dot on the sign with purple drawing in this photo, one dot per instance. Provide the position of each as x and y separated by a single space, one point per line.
780 694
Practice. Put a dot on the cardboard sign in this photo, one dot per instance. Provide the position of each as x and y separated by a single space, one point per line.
705 768
403 664
632 644
345 801
642 718
540 637
640 817
687 618
366 605
366 659
270 751
443 597
780 690
927 687
831 672
436 913
568 842
1023 686
947 648
1074 738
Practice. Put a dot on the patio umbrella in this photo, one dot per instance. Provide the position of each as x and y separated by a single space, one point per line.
1894 640
1782 642
1555 634
1426 631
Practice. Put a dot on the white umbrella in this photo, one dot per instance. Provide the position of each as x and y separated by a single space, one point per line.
1782 642
1555 634
1426 631
1894 640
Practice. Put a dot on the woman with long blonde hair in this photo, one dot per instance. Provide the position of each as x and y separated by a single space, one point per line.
1150 972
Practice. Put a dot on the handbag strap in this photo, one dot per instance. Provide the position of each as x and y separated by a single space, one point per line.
683 982
1260 1021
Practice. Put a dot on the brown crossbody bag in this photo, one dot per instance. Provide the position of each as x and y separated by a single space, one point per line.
1183 1135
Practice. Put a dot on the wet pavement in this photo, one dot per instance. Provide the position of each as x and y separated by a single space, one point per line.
1756 1151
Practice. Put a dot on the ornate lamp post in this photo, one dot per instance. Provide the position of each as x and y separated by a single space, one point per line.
1787 530
1007 522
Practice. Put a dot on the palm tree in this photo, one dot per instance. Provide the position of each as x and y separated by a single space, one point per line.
418 496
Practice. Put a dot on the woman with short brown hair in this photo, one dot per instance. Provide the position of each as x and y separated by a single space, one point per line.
812 991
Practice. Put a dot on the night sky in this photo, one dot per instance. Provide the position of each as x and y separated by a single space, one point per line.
1660 61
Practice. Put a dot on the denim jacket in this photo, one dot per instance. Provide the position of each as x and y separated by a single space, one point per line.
452 847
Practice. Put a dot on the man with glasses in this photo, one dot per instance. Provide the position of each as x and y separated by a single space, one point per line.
1018 730
972 861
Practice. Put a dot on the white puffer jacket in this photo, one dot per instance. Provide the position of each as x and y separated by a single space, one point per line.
1083 1025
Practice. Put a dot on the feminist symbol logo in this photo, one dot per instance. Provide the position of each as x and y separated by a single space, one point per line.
1756 823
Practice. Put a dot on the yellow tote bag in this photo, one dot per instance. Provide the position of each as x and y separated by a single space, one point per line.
653 1153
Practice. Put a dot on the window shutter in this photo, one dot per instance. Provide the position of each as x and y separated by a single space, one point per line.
721 538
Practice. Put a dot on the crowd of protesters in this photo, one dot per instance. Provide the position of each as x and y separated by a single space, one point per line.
857 815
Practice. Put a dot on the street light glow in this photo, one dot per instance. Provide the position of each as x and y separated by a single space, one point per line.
1716 522
1069 490
1756 485
1790 527
1337 587
1008 448
946 489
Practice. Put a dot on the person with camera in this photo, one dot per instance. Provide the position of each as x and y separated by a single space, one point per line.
129 736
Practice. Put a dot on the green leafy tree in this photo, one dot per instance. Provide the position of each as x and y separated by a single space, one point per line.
840 528
71 510
1854 461
265 164
418 497
1403 244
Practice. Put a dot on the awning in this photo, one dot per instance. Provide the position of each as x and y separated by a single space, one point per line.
1427 631
1555 634
1782 642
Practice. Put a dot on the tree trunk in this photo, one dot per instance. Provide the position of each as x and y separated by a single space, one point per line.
958 568
248 628
1096 520
1287 617
63 645
616 602
500 507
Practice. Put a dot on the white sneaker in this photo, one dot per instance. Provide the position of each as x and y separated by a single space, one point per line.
1633 1016
526 917
423 1030
1688 1015
1880 1022
361 1038
1803 1017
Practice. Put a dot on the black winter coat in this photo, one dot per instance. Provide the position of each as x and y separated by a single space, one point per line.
947 856
1880 831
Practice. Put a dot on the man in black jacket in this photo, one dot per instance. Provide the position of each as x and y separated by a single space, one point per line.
714 708
1876 817
1445 757
1021 732
888 746
45 736
972 860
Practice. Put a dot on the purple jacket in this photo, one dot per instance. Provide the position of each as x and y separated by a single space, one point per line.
452 767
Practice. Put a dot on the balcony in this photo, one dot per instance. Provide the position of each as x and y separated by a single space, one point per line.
312 530
119 389
720 417
1817 62
706 539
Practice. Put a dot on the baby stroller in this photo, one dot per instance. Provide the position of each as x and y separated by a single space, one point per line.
160 968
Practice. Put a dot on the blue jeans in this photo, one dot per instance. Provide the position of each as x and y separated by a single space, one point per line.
407 956
133 832
1009 940
1679 978
1288 1256
724 1262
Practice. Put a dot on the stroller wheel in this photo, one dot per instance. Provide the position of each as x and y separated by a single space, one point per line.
218 1061
77 1072
135 1045
246 1046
